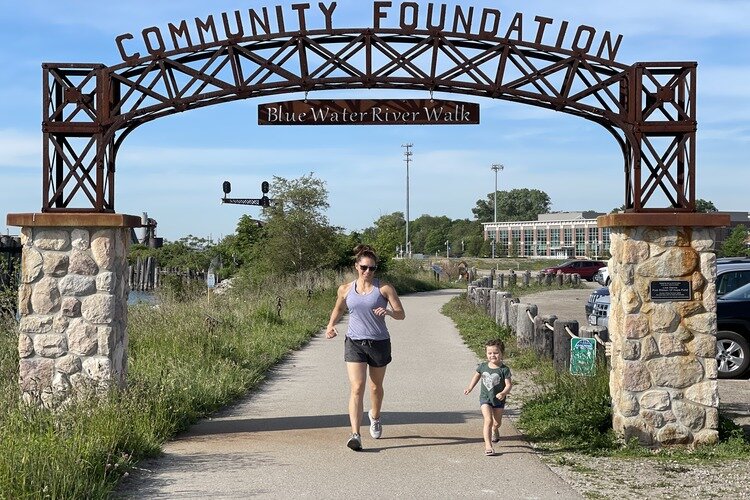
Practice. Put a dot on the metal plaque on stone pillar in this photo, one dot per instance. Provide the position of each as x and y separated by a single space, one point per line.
670 290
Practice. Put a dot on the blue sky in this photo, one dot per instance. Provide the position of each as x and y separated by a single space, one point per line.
173 167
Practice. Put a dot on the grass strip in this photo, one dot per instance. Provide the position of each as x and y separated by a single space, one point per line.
573 413
185 360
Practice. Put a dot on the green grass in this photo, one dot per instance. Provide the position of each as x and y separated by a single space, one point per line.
475 327
181 367
187 358
572 413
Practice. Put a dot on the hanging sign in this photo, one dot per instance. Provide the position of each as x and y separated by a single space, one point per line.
369 112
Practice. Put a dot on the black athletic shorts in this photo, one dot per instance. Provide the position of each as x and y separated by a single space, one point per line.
375 353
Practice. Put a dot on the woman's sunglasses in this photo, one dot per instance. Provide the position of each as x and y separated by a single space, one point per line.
367 268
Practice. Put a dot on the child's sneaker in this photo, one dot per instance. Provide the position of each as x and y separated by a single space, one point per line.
376 428
355 442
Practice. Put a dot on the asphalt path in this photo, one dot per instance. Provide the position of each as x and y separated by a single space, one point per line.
288 439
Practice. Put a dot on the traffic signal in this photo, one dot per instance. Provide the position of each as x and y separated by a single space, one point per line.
226 187
264 187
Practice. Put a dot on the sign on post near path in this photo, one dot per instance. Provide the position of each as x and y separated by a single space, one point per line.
582 356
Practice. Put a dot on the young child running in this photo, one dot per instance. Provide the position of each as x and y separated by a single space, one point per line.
496 384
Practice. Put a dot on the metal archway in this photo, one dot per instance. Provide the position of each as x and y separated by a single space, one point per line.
90 108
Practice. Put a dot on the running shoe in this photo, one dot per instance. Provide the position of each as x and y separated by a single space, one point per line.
355 442
376 428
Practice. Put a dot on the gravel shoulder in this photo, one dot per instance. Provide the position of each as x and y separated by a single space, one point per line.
636 478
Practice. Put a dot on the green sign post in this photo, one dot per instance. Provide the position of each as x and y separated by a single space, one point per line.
582 356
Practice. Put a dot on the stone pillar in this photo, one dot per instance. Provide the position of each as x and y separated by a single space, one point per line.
663 380
73 303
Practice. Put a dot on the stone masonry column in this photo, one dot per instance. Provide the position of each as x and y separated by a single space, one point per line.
73 303
663 380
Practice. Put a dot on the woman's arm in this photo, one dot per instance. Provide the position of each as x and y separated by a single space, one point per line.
338 310
397 310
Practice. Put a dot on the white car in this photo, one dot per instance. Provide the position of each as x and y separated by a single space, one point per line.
602 276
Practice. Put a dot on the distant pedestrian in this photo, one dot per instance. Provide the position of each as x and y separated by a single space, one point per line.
496 384
367 344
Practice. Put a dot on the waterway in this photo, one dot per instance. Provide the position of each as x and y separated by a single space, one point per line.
141 297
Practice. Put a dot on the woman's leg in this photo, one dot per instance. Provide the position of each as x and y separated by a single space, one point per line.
357 379
487 427
377 375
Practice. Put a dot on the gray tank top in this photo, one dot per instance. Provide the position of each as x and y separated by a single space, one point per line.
363 324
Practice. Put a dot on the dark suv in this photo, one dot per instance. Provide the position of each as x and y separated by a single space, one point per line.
733 335
731 273
585 268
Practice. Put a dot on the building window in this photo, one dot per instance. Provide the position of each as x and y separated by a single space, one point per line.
541 241
605 239
528 242
593 247
555 238
515 243
568 232
580 242
501 249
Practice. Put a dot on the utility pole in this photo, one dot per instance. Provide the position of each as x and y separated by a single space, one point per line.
496 167
407 158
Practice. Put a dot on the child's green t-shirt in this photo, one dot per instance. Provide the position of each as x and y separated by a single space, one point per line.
492 381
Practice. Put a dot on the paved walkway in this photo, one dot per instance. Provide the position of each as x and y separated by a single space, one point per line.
288 439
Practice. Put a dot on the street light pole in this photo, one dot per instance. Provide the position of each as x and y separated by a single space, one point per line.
407 159
496 167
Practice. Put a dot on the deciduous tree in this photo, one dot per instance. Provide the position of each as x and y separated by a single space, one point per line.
736 244
513 205
297 235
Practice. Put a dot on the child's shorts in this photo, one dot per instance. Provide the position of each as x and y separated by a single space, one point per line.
498 404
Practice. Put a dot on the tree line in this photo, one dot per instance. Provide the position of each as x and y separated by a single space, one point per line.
294 234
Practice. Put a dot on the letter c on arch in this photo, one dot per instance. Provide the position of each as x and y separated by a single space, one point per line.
125 57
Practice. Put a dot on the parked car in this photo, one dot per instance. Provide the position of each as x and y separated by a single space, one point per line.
602 276
731 273
733 332
592 299
584 268
600 310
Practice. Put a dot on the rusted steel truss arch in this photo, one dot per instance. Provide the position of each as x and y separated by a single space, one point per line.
90 108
